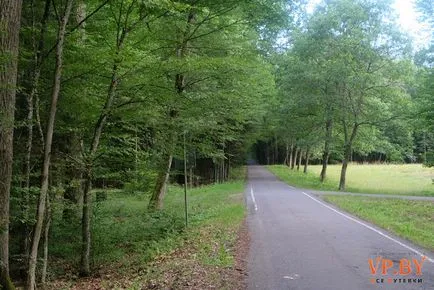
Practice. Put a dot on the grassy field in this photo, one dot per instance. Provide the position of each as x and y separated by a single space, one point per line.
412 220
407 179
133 248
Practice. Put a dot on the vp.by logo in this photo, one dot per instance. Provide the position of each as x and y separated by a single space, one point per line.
404 267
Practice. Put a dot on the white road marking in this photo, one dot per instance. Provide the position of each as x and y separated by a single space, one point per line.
371 228
292 277
253 198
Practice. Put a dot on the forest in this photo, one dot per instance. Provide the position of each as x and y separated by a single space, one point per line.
136 96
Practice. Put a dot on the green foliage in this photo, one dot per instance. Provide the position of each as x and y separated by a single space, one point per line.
152 233
119 218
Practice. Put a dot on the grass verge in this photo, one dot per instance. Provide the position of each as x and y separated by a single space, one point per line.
300 179
137 249
404 179
411 220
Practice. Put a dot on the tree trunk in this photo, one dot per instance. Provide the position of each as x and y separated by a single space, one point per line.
300 156
347 155
306 160
46 236
80 16
223 171
326 152
425 149
291 152
294 161
190 177
285 162
10 20
34 89
228 168
31 276
267 153
40 57
28 169
276 150
85 227
157 197
217 172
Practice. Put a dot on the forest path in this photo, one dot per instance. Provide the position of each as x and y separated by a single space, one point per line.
300 242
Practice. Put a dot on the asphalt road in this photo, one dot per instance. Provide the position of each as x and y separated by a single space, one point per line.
300 242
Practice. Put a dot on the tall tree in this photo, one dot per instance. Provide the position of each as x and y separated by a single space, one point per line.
127 19
61 32
38 47
10 21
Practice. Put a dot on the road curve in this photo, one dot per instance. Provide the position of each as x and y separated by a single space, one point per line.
299 242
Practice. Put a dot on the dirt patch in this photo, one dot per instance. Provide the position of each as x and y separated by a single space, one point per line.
241 254
183 270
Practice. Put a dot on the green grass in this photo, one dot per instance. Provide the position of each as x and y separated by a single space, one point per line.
127 236
412 220
405 179
299 179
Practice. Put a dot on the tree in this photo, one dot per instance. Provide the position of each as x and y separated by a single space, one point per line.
10 19
354 55
206 48
425 87
127 19
306 80
43 195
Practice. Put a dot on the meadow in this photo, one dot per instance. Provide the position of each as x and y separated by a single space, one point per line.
400 179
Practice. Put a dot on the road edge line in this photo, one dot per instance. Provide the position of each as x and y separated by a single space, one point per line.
253 198
369 227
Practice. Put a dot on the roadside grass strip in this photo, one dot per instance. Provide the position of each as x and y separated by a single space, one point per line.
408 219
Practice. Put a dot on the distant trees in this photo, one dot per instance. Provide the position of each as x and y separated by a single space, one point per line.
425 88
347 69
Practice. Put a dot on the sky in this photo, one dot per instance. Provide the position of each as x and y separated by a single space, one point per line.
407 20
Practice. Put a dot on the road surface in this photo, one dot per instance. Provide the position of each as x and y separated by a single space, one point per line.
300 242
